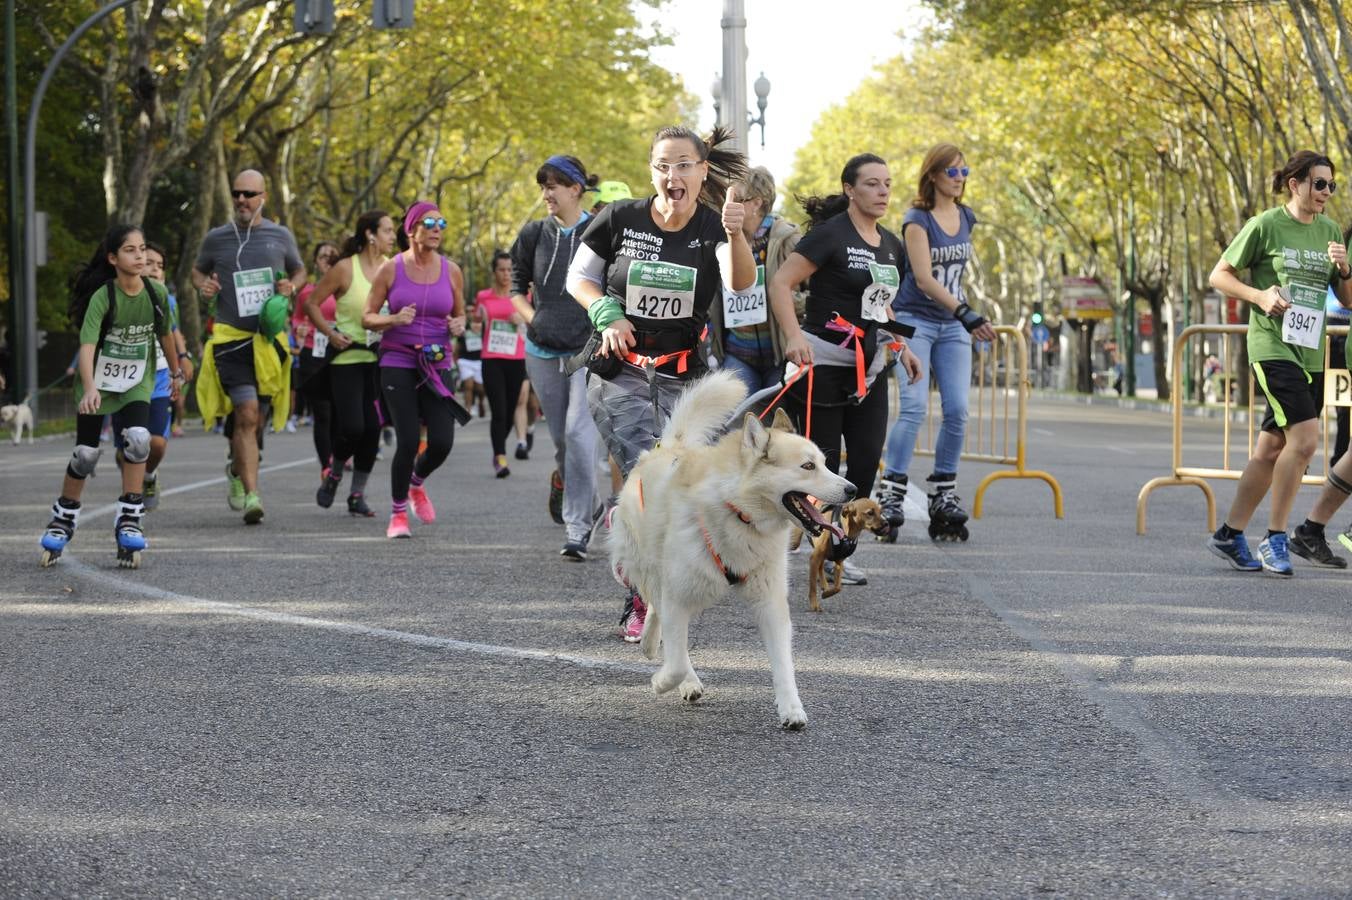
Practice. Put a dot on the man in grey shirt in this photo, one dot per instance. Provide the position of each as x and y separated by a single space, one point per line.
238 266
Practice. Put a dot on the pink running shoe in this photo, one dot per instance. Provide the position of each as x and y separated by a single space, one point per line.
398 526
422 505
633 622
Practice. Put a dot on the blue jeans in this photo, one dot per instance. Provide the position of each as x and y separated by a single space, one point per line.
945 351
754 379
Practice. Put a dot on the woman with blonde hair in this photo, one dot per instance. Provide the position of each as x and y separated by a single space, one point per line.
937 231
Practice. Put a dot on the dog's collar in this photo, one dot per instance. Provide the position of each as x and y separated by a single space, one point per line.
732 578
746 520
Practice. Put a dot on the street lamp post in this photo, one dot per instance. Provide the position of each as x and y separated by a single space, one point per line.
734 70
762 88
716 89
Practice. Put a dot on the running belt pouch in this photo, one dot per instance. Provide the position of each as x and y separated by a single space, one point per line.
583 357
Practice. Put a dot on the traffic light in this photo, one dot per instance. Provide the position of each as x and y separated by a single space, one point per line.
393 14
314 16
1037 313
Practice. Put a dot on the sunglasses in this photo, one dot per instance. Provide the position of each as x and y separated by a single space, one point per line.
1320 184
955 171
247 195
430 222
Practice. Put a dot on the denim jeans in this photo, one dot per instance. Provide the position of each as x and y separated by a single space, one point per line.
754 379
945 351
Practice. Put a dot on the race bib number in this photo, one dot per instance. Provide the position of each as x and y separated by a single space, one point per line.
321 345
474 342
253 287
748 307
878 296
119 367
658 290
1303 324
502 337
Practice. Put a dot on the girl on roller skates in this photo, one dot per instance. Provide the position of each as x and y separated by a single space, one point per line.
937 230
120 317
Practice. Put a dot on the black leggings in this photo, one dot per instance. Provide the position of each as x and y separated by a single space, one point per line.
862 427
356 423
502 384
313 385
412 405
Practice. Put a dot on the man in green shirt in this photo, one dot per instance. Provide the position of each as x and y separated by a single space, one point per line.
1293 253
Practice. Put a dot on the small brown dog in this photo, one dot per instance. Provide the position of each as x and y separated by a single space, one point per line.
855 516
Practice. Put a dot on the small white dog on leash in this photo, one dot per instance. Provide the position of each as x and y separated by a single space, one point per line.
20 416
703 516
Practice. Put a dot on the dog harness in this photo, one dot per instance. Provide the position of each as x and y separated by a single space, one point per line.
733 579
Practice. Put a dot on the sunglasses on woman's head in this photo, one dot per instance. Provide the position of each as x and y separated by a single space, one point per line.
1320 184
430 222
955 171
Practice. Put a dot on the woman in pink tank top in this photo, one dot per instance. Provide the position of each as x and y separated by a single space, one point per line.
426 309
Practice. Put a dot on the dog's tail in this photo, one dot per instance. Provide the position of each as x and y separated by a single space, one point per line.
701 413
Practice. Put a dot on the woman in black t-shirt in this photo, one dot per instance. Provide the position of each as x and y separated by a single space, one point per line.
853 269
646 272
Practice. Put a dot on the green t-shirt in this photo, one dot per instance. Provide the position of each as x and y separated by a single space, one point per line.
128 350
1277 249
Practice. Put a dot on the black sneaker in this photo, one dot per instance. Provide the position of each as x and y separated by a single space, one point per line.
574 550
522 451
356 505
328 488
556 497
1315 549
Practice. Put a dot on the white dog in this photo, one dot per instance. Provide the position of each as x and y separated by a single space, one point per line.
20 415
701 517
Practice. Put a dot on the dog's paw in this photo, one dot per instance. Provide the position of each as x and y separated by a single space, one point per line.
664 681
692 688
793 718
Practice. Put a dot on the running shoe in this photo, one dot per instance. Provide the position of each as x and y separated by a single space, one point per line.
522 451
235 497
150 492
1273 552
176 431
253 508
1236 552
556 497
422 505
291 425
398 527
500 466
574 550
356 506
1307 546
387 436
635 613
852 575
530 438
328 488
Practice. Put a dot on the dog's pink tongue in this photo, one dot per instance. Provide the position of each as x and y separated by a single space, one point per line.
815 515
836 530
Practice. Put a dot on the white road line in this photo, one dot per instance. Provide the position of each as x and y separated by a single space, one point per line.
1042 431
220 607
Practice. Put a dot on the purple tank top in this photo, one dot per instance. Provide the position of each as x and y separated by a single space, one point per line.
432 303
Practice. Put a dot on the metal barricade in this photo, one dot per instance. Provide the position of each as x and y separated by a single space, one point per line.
999 386
1226 378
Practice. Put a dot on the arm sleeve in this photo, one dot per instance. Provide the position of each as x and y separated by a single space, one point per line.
93 320
586 266
523 258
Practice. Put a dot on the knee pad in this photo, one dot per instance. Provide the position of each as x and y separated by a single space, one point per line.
83 461
136 444
1339 483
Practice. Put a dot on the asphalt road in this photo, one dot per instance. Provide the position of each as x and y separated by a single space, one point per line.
304 708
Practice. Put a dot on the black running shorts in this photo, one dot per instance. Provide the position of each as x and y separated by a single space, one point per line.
1293 395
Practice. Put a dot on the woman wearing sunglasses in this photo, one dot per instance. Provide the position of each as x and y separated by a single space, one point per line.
352 376
937 230
647 271
1293 253
425 292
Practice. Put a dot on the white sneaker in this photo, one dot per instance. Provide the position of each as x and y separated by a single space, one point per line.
291 425
852 575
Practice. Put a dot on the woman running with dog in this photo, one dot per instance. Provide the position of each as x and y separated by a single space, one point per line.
425 291
853 269
354 381
122 317
646 272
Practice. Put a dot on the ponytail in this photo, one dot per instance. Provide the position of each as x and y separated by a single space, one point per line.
819 209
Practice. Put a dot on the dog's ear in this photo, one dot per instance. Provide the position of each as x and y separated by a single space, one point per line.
782 421
754 436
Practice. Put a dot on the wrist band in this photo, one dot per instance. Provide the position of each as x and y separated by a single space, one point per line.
604 312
